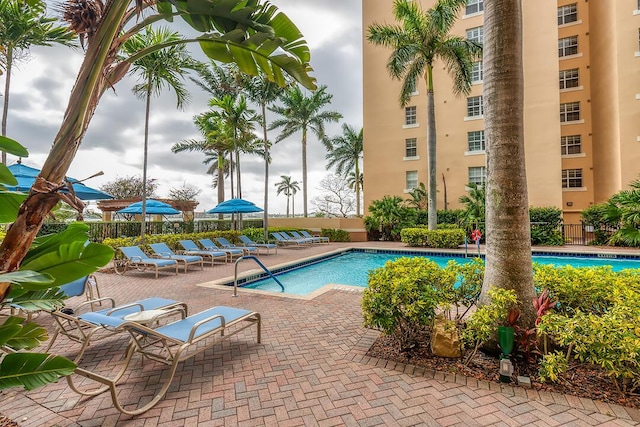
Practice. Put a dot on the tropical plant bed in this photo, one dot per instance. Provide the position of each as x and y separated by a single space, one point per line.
582 380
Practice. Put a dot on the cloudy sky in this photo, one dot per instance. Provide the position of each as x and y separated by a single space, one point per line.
40 88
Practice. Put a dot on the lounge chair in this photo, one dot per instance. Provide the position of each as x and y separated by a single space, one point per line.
82 286
171 344
248 250
137 259
287 243
300 239
268 246
208 245
321 239
80 324
190 248
312 239
164 251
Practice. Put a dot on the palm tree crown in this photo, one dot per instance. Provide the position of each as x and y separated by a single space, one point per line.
344 153
21 26
423 37
289 188
302 113
157 70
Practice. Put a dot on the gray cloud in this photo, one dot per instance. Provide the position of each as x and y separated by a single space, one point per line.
41 88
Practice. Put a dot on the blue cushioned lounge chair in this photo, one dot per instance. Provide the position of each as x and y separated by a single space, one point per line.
208 245
225 244
268 246
190 248
137 259
164 251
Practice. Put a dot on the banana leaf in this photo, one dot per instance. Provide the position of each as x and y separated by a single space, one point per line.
33 370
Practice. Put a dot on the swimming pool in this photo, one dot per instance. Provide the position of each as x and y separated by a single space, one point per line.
352 267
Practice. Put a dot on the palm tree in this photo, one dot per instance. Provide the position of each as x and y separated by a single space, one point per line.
508 232
474 204
419 197
22 26
289 188
263 38
352 181
157 70
302 113
216 144
239 118
344 153
422 38
218 80
264 93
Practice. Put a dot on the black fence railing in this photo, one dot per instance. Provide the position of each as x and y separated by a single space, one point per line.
98 231
580 234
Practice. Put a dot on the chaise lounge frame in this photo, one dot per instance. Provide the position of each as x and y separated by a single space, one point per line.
171 344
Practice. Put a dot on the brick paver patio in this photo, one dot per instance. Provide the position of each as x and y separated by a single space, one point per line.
310 369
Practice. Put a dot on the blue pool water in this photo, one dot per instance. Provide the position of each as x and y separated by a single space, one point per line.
352 268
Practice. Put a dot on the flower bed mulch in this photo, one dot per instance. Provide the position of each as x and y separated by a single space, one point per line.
580 380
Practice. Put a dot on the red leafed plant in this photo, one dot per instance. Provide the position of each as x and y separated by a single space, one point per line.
542 304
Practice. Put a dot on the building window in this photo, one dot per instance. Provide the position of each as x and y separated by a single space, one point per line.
474 6
569 78
568 46
571 144
412 180
475 34
410 115
474 106
567 14
477 72
475 140
477 175
411 147
570 112
572 178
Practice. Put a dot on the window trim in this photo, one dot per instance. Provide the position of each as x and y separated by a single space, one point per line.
472 108
564 47
483 175
479 5
567 141
564 15
407 115
414 148
564 115
479 72
406 180
567 179
563 79
481 141
480 36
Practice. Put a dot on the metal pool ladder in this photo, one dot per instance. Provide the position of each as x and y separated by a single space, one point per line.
235 276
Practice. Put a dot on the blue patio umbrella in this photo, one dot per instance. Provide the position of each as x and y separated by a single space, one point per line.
26 176
153 207
234 206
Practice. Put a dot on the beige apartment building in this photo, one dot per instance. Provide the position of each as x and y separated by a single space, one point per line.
582 104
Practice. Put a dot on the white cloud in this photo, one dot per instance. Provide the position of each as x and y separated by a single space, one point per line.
114 141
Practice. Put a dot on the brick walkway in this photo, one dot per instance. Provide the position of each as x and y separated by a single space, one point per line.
310 369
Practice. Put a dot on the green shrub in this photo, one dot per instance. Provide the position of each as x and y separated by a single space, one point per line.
450 216
551 366
610 340
603 227
483 324
588 289
470 276
336 235
402 297
443 239
546 223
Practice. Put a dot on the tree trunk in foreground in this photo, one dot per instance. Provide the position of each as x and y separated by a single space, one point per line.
508 260
432 218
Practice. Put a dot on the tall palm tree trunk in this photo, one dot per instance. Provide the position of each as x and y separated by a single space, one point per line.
357 189
508 259
5 107
220 180
432 218
89 86
293 205
288 197
143 223
304 171
265 215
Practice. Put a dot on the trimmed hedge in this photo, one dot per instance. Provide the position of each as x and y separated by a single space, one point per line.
448 238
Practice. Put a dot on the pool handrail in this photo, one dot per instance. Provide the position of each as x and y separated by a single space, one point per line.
235 275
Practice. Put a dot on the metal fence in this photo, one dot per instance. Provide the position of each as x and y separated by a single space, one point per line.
581 234
98 231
